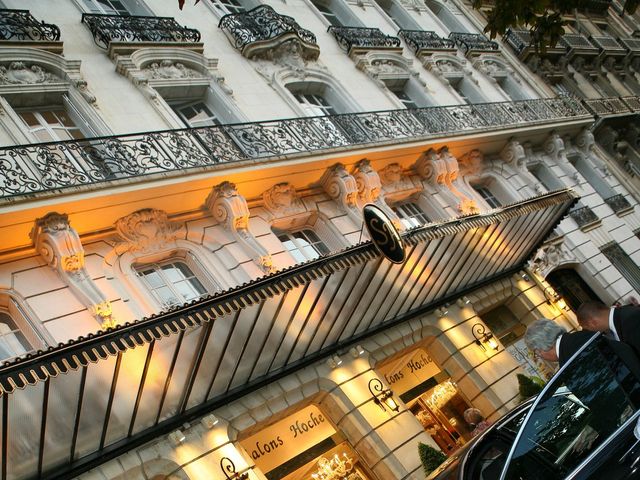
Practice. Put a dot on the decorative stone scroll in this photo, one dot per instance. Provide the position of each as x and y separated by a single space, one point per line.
514 154
550 257
19 73
342 188
230 208
441 170
282 201
370 190
147 229
60 246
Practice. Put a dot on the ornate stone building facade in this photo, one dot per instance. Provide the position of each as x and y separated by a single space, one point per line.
186 287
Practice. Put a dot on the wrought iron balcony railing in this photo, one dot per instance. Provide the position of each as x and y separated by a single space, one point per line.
473 42
22 26
608 44
609 47
521 42
29 169
631 44
578 44
607 106
262 28
115 28
583 216
361 38
633 103
422 42
618 203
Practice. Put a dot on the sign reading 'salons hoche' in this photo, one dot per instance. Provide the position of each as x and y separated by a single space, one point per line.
383 233
283 440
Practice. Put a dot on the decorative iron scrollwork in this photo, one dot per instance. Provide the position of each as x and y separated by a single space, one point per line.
42 167
21 25
261 24
473 41
229 469
364 38
116 28
420 41
583 216
618 203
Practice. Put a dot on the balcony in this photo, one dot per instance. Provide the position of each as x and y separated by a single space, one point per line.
520 42
633 103
87 164
604 107
584 217
20 28
632 45
611 52
577 45
619 204
357 40
123 35
473 43
426 43
263 29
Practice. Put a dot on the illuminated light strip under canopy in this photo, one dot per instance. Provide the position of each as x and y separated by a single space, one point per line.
68 409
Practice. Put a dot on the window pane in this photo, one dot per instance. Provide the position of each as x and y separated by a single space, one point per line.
29 118
176 272
166 296
153 278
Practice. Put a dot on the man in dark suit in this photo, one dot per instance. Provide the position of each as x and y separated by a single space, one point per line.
552 342
622 322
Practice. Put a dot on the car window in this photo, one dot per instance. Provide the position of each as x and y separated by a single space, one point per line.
581 407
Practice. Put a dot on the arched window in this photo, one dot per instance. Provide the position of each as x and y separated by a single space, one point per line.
303 245
410 214
13 343
18 333
175 280
317 98
336 13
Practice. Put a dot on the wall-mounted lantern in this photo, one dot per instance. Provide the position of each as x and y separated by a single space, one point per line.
229 470
381 396
484 339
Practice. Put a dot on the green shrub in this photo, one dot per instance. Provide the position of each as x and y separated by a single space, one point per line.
430 457
529 386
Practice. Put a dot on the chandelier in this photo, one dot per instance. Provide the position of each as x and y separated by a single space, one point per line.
337 467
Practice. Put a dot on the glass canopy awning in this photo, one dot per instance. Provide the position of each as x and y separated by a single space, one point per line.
69 408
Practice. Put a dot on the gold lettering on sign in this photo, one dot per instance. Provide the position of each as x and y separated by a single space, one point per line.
280 442
409 371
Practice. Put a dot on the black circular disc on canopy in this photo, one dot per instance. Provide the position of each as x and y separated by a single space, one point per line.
383 233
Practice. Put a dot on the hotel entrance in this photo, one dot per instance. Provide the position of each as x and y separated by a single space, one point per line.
304 446
431 396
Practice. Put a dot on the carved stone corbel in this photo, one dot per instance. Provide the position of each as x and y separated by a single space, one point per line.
514 154
60 246
370 190
342 188
554 147
147 229
230 209
585 141
466 204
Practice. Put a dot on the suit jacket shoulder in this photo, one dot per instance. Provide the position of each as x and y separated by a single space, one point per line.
627 322
570 343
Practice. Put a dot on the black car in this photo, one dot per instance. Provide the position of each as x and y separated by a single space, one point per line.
579 427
